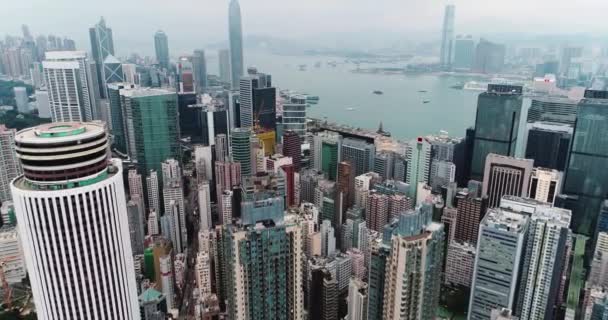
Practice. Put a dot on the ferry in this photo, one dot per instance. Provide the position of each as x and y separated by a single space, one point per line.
378 92
422 91
426 101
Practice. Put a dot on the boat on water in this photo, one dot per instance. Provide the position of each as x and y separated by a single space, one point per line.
350 109
422 91
312 98
426 101
378 92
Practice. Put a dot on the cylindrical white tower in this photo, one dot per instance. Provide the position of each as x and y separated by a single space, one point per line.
72 217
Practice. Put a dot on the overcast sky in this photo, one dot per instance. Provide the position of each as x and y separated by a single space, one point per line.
194 23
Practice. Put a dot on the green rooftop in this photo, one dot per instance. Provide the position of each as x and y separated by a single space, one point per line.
576 273
62 131
150 295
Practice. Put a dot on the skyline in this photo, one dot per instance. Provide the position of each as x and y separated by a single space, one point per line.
405 22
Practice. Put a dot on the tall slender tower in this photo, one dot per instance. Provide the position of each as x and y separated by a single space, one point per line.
235 30
70 85
76 237
102 45
447 36
161 46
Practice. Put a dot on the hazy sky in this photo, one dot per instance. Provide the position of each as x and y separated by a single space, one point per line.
194 23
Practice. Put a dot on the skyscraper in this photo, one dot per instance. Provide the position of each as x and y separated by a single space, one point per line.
471 210
152 126
357 299
506 176
70 86
264 285
543 257
553 109
418 156
548 144
412 280
235 32
496 125
585 174
224 65
545 184
21 99
359 154
346 184
447 37
102 45
199 63
161 47
489 57
294 115
117 116
292 148
79 198
257 101
498 262
464 53
173 198
241 149
9 166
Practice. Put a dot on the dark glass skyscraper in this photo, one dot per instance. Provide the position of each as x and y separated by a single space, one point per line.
586 173
161 46
199 64
102 45
496 124
549 145
235 33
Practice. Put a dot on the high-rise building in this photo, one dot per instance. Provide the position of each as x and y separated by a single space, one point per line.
9 166
598 273
379 257
153 191
294 115
78 196
418 157
548 144
330 156
70 85
545 184
357 299
262 286
257 101
102 45
447 37
322 289
506 176
471 210
113 70
173 199
161 47
500 253
204 206
377 211
459 264
135 211
552 109
152 126
489 57
11 255
585 176
235 33
328 239
543 263
166 279
241 150
21 99
359 154
413 271
118 116
496 125
464 53
346 184
384 163
292 147
199 64
221 147
224 65
43 104
185 72
203 272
